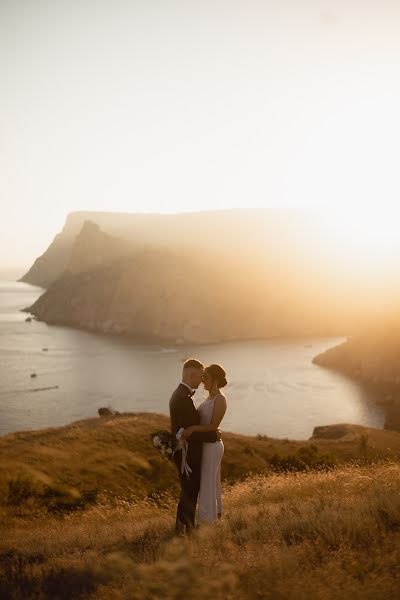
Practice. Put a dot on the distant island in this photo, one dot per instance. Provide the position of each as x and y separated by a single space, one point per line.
196 278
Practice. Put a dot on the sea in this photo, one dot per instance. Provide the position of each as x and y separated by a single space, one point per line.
274 388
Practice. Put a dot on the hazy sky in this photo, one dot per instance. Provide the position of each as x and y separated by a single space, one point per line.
186 105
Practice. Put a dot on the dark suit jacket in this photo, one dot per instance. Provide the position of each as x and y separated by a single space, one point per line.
183 413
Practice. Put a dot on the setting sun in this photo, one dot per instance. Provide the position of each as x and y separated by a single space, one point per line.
366 237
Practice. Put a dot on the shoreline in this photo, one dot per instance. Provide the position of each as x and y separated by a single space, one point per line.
388 390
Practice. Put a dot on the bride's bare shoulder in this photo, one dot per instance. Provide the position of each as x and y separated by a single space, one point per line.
221 397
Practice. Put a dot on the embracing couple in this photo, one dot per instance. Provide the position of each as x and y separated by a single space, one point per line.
200 429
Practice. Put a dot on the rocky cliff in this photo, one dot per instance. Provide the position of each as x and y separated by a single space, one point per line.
51 263
111 285
278 236
226 290
94 248
154 295
56 259
199 277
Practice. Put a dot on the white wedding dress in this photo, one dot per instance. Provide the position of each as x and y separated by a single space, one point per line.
210 502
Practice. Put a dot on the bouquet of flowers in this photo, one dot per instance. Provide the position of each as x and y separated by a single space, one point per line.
165 443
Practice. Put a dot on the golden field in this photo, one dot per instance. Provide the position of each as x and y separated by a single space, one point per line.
88 511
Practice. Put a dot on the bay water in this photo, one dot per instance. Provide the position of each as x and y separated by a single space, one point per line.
274 389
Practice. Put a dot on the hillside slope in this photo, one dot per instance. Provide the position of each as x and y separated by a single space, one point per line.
113 455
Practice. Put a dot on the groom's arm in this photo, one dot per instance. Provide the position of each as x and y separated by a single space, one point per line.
218 414
186 420
206 436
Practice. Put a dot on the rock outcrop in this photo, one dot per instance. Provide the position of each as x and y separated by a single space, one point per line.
51 263
94 248
56 259
342 432
372 358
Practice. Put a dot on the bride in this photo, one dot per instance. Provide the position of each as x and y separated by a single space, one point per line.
211 411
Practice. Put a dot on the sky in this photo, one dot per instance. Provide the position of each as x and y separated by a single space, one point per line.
168 106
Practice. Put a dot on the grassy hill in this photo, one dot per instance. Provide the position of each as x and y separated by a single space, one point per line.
70 466
87 511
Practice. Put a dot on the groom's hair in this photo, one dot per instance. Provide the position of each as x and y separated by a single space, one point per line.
192 363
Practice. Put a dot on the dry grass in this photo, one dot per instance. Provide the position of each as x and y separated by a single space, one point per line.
332 535
88 511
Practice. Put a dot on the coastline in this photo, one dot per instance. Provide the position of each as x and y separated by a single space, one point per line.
341 359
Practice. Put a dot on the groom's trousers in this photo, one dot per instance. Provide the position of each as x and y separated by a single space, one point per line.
190 486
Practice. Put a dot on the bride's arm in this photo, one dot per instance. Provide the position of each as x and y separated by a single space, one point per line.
218 413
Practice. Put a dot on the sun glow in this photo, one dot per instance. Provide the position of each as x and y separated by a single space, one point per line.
366 238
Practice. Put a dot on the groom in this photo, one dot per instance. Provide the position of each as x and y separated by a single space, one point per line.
183 413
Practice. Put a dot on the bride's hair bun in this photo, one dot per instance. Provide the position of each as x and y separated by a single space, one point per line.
223 382
217 374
